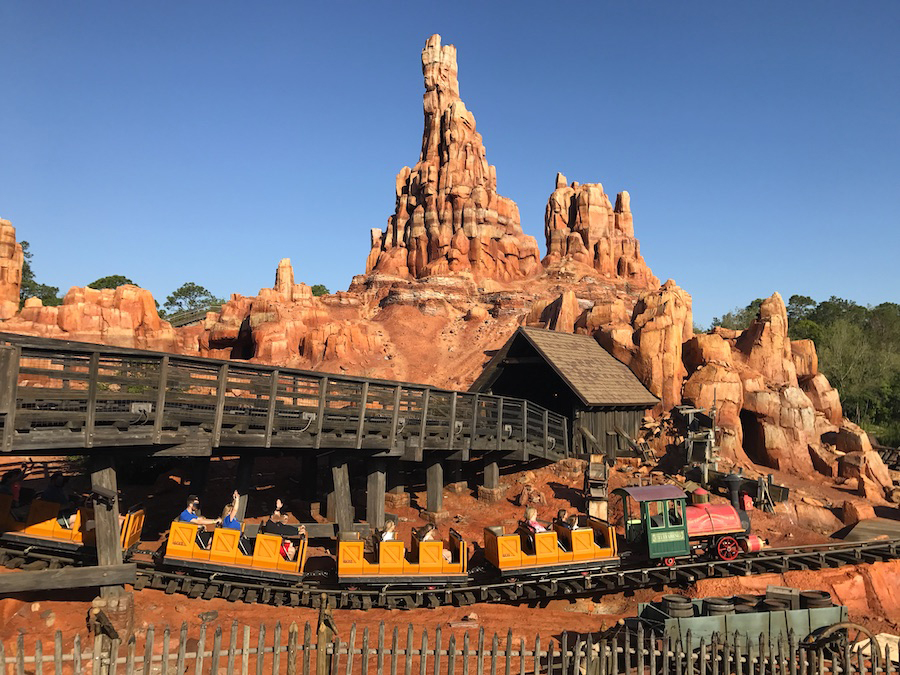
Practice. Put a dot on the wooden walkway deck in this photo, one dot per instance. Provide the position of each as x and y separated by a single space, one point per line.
58 396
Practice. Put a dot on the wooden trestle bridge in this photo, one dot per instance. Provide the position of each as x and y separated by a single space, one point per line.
58 395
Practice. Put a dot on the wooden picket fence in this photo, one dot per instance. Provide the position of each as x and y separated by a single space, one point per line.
238 650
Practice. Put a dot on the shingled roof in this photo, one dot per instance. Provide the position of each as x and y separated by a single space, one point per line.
591 372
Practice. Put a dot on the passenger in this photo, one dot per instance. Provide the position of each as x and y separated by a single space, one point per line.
531 520
228 519
561 516
11 484
288 550
56 490
388 534
428 535
277 522
191 513
572 522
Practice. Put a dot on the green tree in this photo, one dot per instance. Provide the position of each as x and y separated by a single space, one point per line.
799 307
113 281
319 289
738 318
30 288
190 296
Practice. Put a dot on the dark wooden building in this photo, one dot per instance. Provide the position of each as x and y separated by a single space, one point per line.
574 376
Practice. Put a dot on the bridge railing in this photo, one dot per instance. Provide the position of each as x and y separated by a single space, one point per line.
56 394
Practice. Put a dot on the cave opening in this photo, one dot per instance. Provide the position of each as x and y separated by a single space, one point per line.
754 438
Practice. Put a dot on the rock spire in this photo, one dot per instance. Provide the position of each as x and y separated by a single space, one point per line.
449 217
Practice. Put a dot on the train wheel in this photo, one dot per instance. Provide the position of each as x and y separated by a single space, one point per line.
668 562
727 548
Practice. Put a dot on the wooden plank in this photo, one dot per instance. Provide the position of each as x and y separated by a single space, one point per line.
320 415
270 411
221 389
361 425
499 423
68 577
91 414
434 475
425 396
395 415
343 507
375 489
161 385
106 518
451 431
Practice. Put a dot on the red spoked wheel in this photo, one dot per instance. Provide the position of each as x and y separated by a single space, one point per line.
668 562
727 548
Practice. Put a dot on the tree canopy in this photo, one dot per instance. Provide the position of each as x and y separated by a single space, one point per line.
188 297
113 281
319 289
30 288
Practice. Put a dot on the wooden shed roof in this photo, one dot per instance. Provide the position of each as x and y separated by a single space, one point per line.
594 375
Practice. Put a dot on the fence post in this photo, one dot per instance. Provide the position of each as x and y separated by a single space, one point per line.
640 650
324 635
437 650
351 647
364 668
652 654
38 657
379 658
216 652
564 649
129 656
260 649
394 648
465 660
165 651
276 649
407 666
480 655
245 652
182 648
508 669
76 655
451 655
232 644
423 653
292 649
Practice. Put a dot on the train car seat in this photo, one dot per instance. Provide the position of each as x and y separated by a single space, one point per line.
351 555
267 551
391 558
224 545
41 518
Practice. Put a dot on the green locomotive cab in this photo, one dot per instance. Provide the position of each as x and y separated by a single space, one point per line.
655 520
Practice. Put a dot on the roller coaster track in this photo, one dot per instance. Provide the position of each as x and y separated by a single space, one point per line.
482 586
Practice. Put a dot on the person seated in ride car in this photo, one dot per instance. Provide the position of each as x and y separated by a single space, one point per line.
428 534
561 516
277 522
56 492
531 520
288 550
191 513
228 519
572 522
388 534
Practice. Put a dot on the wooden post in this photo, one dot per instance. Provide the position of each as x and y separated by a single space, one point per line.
491 491
324 636
343 507
397 496
434 477
375 487
106 518
243 483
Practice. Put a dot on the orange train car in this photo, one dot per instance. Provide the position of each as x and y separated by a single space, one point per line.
43 525
525 550
425 562
230 550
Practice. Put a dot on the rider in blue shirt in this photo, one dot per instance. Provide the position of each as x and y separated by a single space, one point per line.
228 519
191 514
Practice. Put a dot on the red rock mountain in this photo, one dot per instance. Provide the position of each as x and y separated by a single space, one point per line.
453 276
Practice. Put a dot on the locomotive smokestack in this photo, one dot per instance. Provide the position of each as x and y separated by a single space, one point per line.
733 483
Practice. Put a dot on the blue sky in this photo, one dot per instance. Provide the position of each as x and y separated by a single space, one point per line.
204 141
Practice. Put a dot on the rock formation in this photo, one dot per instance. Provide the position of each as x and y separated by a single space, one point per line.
449 217
11 260
125 317
581 224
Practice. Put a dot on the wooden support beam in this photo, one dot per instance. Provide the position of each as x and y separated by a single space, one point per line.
270 411
106 518
161 387
221 388
9 382
91 414
320 415
243 484
434 478
375 488
361 424
491 475
68 577
395 415
343 506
